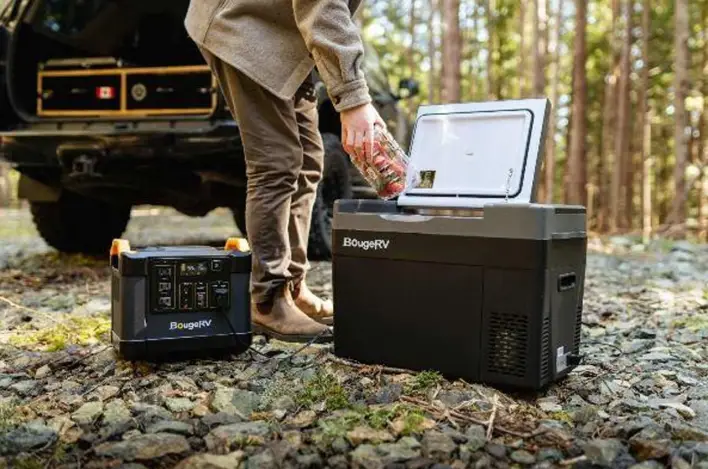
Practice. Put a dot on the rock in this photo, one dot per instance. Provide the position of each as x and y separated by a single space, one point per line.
388 394
221 418
437 445
42 372
476 437
26 438
603 452
550 454
24 387
650 443
264 459
179 404
362 434
522 457
170 426
212 461
285 403
366 457
687 432
496 450
144 447
309 460
648 465
151 412
378 457
303 419
549 404
234 401
223 438
116 413
682 409
88 413
200 410
107 392
454 397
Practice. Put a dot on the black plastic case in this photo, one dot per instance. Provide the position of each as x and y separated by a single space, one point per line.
179 302
477 282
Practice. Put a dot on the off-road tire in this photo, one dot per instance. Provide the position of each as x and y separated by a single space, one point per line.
336 184
77 224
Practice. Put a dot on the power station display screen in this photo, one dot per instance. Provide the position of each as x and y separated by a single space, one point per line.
178 285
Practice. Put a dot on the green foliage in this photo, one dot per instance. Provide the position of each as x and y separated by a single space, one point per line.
423 382
323 387
74 330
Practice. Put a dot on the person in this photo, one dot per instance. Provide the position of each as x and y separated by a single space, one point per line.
263 53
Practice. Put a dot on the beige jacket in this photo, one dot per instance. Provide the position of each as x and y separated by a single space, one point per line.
278 42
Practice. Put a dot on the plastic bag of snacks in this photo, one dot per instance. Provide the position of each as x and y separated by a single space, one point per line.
386 170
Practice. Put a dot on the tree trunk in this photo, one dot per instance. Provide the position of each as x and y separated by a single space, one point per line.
491 48
539 47
577 170
645 123
451 46
555 78
678 208
432 84
522 49
606 200
621 165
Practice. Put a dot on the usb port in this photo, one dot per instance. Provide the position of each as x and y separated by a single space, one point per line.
165 287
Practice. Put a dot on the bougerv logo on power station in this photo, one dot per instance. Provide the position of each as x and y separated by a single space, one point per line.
189 326
366 245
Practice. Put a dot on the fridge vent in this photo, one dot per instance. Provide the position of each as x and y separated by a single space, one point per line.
578 327
545 347
508 336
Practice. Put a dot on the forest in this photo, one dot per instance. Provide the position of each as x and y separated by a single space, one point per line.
627 79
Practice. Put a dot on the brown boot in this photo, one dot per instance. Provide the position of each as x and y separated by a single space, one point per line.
281 319
320 310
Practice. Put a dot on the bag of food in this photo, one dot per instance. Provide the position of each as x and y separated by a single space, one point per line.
385 170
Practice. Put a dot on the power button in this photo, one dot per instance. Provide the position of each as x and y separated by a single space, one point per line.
217 265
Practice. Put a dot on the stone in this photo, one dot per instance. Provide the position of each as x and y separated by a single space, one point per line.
26 438
361 434
264 459
437 445
24 387
682 409
388 394
652 442
222 438
496 450
179 404
522 457
220 418
285 403
234 401
170 426
42 372
303 419
476 437
550 454
116 413
648 465
366 457
603 452
144 447
212 461
107 392
88 413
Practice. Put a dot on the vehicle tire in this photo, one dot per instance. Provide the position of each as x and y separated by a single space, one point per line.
335 184
78 224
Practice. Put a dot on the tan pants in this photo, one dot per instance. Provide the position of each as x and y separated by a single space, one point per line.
284 163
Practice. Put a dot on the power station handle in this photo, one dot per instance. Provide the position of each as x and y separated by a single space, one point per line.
566 281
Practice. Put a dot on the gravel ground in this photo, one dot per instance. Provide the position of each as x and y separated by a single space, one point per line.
640 399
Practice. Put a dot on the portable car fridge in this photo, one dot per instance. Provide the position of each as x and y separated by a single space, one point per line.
465 274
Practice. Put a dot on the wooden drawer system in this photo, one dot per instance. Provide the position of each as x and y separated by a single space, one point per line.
125 92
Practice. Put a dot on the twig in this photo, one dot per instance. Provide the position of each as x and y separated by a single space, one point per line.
571 461
471 419
29 310
490 426
376 368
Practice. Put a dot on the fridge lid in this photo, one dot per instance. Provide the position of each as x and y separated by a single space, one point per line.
467 155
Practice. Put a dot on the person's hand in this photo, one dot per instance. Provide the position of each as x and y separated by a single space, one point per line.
358 130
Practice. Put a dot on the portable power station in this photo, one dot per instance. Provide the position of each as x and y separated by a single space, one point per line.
465 273
180 302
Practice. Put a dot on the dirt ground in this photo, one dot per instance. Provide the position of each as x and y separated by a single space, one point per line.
639 399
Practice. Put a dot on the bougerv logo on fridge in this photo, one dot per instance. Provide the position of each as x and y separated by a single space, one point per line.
189 326
369 244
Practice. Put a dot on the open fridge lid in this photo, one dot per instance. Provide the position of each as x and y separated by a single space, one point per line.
467 155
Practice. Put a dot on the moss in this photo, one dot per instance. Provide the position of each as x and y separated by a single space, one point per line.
79 330
561 416
692 323
8 415
423 382
323 387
